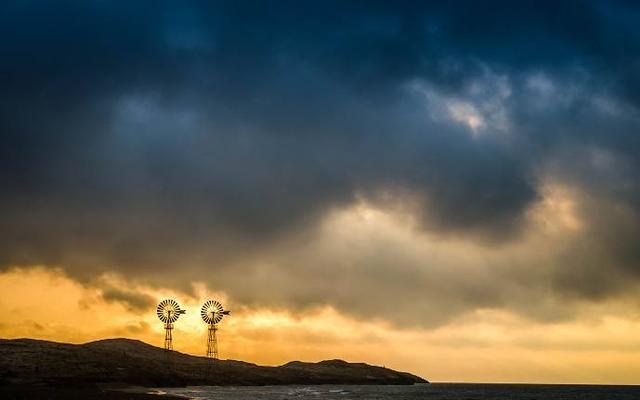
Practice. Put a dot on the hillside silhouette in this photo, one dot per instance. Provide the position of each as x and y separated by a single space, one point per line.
126 361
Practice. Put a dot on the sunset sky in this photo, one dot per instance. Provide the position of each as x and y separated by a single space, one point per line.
451 190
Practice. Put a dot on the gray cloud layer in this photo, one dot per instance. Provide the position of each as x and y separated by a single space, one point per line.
189 142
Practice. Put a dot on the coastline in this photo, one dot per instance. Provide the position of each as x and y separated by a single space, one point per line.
19 392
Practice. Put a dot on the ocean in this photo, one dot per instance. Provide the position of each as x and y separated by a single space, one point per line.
435 391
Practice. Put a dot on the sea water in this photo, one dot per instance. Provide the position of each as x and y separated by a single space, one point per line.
435 391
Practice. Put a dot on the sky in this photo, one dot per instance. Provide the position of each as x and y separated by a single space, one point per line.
446 188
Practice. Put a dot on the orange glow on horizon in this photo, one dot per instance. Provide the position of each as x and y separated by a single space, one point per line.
485 346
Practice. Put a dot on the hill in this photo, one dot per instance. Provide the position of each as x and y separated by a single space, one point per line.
125 361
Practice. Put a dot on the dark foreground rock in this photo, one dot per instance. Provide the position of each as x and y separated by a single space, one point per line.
18 392
125 361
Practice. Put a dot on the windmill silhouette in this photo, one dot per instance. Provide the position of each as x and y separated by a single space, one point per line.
212 313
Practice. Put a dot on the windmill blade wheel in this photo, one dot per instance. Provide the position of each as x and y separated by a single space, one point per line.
169 311
212 312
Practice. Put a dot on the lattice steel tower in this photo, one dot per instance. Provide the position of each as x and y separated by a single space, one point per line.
168 312
212 313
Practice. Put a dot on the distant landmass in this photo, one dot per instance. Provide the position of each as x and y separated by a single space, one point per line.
132 362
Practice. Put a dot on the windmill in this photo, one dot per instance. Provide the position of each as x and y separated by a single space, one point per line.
212 313
168 312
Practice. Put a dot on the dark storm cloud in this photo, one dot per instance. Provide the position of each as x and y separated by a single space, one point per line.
143 137
132 300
